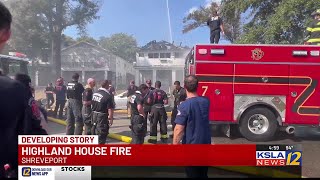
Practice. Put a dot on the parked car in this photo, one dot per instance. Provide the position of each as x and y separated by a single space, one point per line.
121 101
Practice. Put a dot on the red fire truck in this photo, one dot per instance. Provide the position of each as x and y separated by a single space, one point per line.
260 89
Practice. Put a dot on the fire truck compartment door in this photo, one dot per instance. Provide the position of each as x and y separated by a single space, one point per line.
216 83
266 84
304 98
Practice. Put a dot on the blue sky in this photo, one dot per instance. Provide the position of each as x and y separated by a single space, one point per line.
146 20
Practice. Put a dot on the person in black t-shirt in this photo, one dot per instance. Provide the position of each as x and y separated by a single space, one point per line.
180 95
49 93
111 89
132 88
158 98
138 122
86 108
102 111
216 26
14 119
146 105
74 95
60 90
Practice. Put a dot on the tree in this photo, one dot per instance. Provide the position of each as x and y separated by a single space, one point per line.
28 33
266 21
277 21
122 45
67 41
53 17
88 39
230 12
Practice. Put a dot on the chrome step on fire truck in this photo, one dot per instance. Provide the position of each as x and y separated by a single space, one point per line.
260 89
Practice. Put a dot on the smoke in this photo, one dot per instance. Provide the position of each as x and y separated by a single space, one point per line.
208 2
192 10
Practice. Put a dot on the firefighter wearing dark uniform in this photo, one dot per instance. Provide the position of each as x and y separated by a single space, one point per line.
102 110
180 95
49 93
138 120
158 98
132 88
313 30
74 95
146 105
86 109
216 27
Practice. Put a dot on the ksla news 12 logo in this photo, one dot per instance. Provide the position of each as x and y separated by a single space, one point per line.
278 158
26 171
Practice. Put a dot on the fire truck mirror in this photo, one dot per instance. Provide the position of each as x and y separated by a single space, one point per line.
265 79
294 94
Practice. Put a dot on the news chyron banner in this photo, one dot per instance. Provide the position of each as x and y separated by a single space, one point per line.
61 157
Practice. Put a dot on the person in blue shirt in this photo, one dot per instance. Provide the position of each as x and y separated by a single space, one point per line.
192 123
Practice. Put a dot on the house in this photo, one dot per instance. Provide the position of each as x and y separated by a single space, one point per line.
161 61
93 61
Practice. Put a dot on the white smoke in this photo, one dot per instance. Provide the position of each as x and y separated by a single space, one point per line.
192 10
169 22
209 2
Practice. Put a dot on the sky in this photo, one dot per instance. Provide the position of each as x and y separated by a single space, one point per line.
147 20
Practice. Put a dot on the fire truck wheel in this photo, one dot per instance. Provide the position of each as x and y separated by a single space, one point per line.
258 124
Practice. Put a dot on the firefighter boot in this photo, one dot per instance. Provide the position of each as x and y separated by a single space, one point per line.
164 140
152 140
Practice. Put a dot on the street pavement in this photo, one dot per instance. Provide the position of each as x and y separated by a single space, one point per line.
308 137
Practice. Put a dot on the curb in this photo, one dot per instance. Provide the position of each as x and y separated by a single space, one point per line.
118 137
239 169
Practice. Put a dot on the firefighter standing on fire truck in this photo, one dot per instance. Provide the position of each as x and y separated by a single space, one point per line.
138 120
313 30
158 98
102 111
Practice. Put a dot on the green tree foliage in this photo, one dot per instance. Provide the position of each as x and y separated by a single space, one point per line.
29 34
67 41
45 20
260 21
88 39
277 21
121 44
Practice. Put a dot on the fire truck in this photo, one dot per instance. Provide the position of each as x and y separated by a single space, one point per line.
259 89
10 65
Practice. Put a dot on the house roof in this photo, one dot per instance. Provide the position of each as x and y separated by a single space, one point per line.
161 45
89 44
